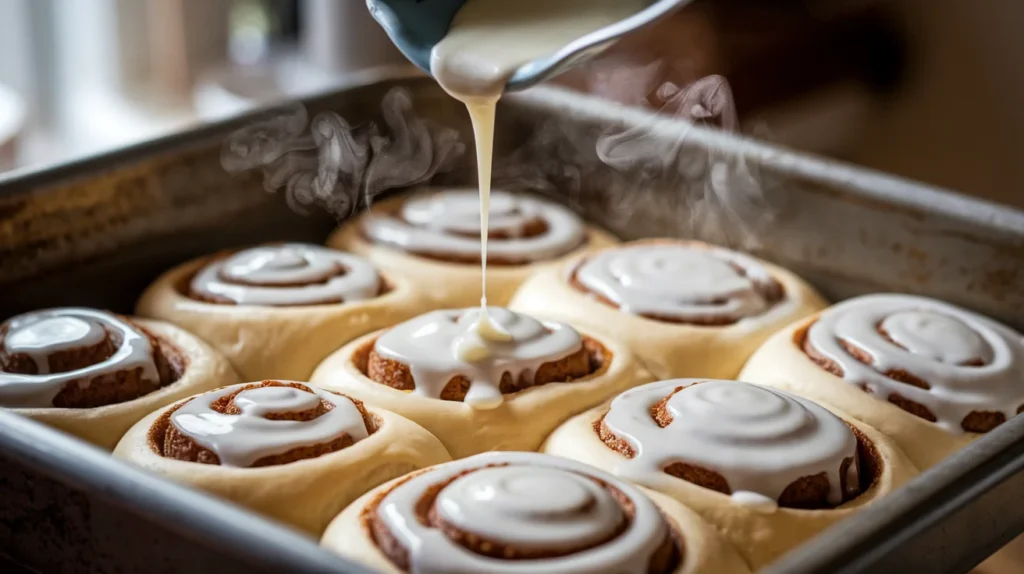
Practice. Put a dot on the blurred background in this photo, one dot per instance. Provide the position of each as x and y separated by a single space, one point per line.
927 89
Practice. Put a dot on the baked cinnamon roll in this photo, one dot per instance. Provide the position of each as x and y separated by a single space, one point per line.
434 238
478 395
931 375
769 469
286 449
94 374
275 311
525 512
686 308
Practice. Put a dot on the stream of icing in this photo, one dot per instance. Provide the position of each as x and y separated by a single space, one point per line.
487 42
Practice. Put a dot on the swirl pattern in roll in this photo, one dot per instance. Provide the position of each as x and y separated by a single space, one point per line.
285 275
947 365
442 355
79 358
520 512
260 424
680 282
760 445
446 226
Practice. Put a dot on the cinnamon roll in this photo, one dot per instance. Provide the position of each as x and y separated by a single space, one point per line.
275 311
769 469
525 512
686 308
434 239
931 375
475 394
285 449
93 374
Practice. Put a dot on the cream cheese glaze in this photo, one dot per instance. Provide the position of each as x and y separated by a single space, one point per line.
441 345
444 224
242 439
759 440
41 334
937 343
529 501
680 282
288 274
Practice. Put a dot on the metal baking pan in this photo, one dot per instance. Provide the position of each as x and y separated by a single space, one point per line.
96 231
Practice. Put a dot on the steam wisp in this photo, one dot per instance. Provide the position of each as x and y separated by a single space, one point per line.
722 192
651 180
338 166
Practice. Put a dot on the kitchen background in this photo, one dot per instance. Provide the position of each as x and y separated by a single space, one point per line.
927 89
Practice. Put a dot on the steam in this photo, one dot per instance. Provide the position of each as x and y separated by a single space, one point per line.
337 166
707 101
722 191
639 181
554 161
645 181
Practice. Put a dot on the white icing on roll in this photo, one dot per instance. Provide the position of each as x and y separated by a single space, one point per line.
938 338
242 439
759 440
441 345
448 223
530 501
41 334
679 282
525 497
288 274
